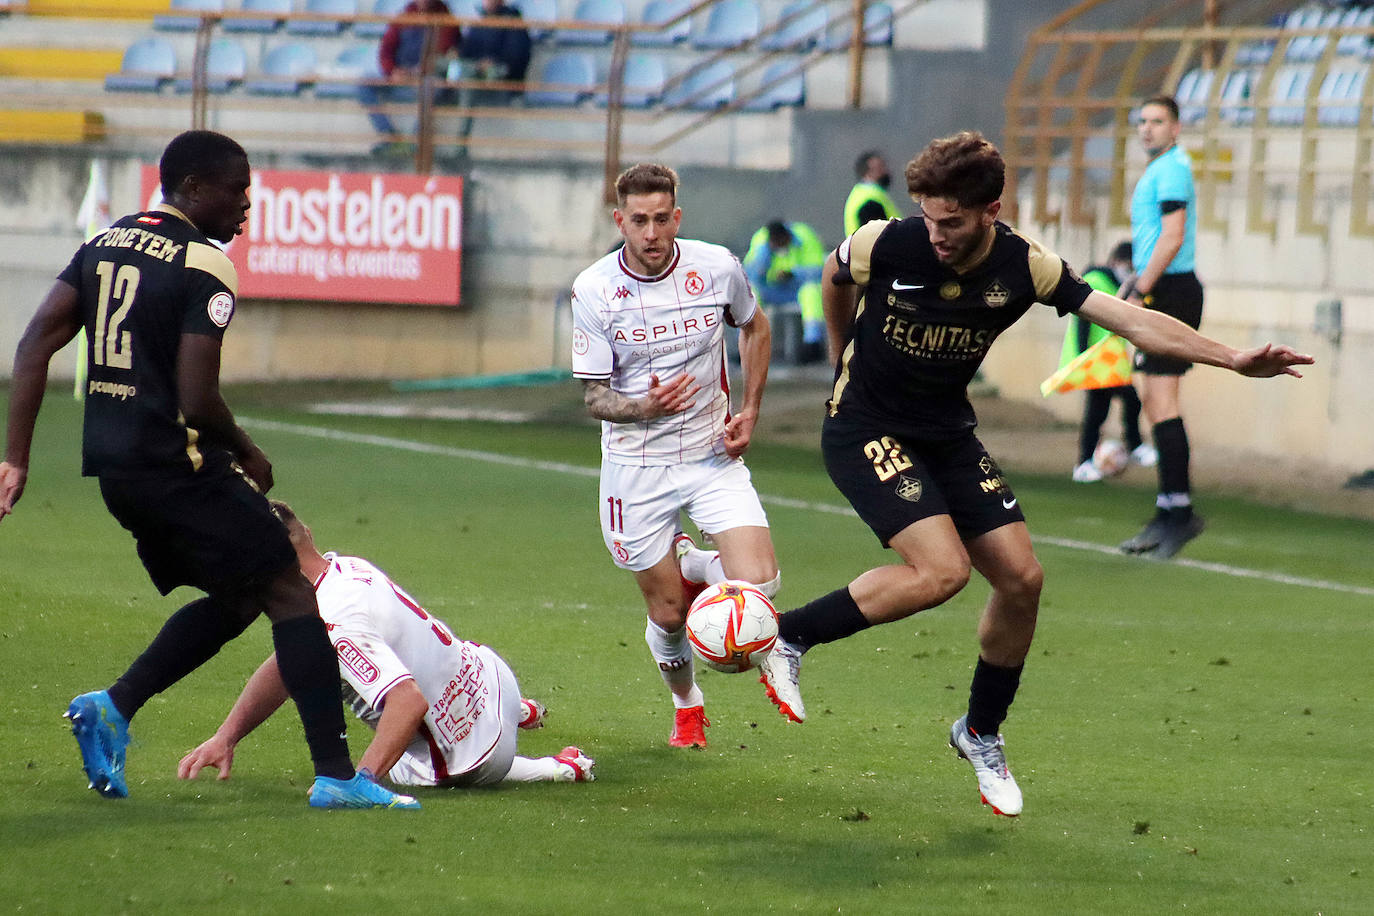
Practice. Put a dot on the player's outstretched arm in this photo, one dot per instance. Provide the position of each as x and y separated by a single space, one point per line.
54 324
673 396
1155 332
261 696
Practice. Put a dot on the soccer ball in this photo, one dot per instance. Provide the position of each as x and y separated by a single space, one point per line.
732 626
1111 457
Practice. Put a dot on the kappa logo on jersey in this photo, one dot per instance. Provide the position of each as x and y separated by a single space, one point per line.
622 293
694 284
580 343
220 308
352 658
996 295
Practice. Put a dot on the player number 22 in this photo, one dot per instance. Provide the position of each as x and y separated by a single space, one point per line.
887 456
113 347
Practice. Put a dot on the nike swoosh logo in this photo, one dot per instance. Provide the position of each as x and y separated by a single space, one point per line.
898 284
1009 503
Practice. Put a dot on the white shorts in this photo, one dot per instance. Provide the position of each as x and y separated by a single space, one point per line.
640 506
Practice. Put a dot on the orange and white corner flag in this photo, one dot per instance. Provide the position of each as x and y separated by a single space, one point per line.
1106 364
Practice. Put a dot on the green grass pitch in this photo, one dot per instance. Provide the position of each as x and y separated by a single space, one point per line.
1188 739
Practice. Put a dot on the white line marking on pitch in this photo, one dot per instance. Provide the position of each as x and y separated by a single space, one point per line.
426 448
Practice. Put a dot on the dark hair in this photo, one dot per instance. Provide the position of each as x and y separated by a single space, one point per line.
196 152
779 234
646 178
861 164
1122 252
1164 101
966 168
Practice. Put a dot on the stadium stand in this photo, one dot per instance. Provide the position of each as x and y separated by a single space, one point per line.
536 11
704 88
387 8
285 70
147 66
340 8
226 65
878 29
173 22
1288 94
800 26
274 13
1339 98
730 24
783 85
608 12
60 127
565 79
339 79
645 77
665 13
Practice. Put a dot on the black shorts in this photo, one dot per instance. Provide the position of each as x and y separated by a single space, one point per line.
892 484
1180 296
216 533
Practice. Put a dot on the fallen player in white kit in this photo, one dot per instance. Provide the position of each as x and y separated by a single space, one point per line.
445 710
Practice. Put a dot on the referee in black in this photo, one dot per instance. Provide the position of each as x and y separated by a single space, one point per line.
155 296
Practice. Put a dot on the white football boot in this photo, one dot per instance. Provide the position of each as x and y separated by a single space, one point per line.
995 782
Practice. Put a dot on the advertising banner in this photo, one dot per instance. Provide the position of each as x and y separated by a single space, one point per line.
347 236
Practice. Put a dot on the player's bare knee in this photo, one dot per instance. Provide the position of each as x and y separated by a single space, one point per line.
943 581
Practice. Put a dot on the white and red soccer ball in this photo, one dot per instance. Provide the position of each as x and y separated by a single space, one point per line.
732 626
1111 457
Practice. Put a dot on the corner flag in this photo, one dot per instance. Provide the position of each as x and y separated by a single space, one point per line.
1106 364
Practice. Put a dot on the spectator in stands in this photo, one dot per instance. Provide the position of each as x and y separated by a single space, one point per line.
869 200
784 265
400 57
491 53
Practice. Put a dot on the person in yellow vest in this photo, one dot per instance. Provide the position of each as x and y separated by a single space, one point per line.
869 200
784 266
1080 336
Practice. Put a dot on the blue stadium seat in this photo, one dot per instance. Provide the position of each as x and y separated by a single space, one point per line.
323 26
645 75
389 9
538 11
602 12
565 79
147 65
1357 45
784 86
658 12
1338 99
1235 98
285 70
731 23
226 64
274 8
171 22
801 25
1305 47
1191 95
1289 94
339 80
877 28
713 86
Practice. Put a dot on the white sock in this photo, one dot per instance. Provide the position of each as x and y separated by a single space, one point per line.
702 566
771 587
538 769
674 658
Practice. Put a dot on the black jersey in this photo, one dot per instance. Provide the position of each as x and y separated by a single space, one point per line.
922 328
144 282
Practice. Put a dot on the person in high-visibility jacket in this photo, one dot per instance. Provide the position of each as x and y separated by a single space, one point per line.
784 266
868 199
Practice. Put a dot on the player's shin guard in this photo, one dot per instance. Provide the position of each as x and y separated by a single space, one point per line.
188 639
310 670
990 696
674 658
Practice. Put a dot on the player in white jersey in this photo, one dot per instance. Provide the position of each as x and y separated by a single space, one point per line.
445 710
649 346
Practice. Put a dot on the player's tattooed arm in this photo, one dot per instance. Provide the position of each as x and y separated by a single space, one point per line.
663 398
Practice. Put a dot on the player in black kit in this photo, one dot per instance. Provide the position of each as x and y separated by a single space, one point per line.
912 307
155 297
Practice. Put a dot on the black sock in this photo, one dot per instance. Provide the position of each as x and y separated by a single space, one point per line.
188 639
828 618
310 671
990 696
1171 439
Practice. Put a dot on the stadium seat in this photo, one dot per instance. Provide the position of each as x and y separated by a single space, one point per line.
1191 95
713 86
148 64
783 86
538 11
877 28
1357 45
1307 47
730 24
339 80
273 8
171 22
645 75
285 70
608 12
226 64
659 12
800 26
1338 99
323 26
1235 98
1289 95
388 8
565 79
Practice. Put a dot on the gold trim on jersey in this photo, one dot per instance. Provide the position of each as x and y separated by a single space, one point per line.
860 249
842 380
192 438
200 256
1046 267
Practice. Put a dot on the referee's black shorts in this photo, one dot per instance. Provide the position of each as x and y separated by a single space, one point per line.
891 484
1180 296
211 530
